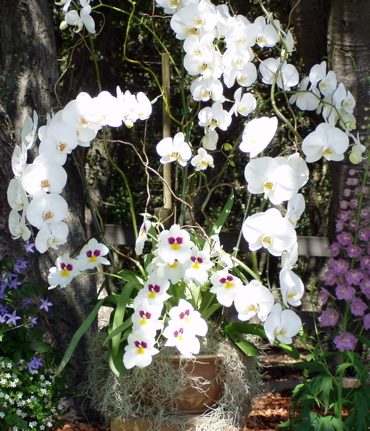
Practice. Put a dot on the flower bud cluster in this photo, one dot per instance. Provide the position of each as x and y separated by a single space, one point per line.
349 269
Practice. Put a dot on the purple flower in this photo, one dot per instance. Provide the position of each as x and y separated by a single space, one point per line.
358 307
347 193
323 296
12 318
352 172
345 238
330 278
365 287
365 262
345 341
354 276
352 181
345 291
339 266
365 212
35 364
329 317
45 304
367 321
29 247
365 190
353 203
353 224
13 282
339 226
335 249
343 205
20 264
364 234
353 250
33 321
343 215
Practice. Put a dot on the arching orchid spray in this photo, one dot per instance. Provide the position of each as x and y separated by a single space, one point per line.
188 279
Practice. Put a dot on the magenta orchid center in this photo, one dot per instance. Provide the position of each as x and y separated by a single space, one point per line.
141 346
227 281
93 255
65 269
153 289
175 243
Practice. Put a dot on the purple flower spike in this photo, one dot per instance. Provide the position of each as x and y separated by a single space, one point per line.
345 341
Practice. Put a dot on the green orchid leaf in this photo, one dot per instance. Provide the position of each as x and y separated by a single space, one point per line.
216 229
245 346
289 349
78 334
245 328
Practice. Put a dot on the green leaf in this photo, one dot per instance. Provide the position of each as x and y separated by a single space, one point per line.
245 328
363 339
40 347
77 336
289 349
216 229
245 346
327 386
119 316
126 324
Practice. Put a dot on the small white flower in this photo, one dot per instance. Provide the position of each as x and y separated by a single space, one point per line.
202 160
174 149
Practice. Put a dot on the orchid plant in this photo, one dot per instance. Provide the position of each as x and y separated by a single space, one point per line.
187 276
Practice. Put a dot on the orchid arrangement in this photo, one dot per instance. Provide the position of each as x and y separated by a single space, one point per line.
187 276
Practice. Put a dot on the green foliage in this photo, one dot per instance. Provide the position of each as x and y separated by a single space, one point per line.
322 388
29 400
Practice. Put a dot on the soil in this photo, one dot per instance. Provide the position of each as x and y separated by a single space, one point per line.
270 408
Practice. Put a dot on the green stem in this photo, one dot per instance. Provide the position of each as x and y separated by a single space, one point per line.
127 185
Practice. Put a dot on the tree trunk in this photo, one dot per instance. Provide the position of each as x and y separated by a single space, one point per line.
29 71
349 54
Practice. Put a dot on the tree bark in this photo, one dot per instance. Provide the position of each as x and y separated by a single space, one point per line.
29 71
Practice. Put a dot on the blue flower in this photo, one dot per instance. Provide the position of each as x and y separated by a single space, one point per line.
35 363
45 304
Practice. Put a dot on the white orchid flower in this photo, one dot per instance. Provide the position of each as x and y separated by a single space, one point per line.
287 77
325 141
154 290
92 254
43 175
269 230
19 160
215 116
202 160
174 149
79 20
291 286
257 134
51 236
253 299
63 273
174 244
282 324
16 195
139 350
29 134
17 226
46 208
225 286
